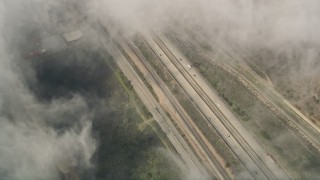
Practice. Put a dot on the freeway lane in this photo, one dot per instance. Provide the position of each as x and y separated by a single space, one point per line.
200 143
159 115
258 153
193 168
253 148
255 159
231 141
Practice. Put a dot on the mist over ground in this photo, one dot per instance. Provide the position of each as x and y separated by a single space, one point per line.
279 36
40 136
32 111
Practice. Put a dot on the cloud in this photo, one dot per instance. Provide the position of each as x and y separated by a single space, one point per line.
31 137
31 152
32 146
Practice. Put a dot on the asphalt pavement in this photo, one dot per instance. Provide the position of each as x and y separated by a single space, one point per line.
251 154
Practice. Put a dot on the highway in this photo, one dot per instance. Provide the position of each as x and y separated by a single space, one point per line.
249 152
156 110
199 142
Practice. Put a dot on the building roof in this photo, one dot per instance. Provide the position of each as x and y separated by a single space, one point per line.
72 36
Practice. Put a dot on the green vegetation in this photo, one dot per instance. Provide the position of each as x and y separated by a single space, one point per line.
277 139
153 60
265 135
127 151
257 70
188 105
141 75
126 84
290 77
155 158
129 141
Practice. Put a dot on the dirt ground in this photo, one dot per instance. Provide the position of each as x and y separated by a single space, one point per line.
294 77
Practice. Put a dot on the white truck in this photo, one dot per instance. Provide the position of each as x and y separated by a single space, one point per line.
189 66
